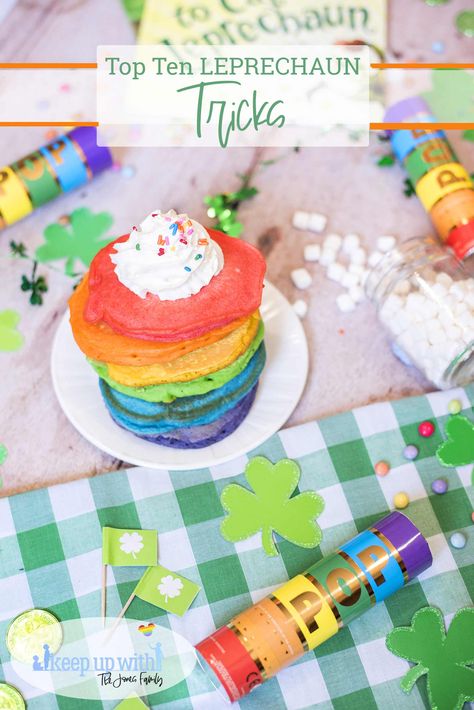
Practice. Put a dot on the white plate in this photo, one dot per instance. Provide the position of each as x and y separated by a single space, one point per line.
279 391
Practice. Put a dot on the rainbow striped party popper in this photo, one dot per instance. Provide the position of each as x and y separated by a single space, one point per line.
68 162
310 608
442 184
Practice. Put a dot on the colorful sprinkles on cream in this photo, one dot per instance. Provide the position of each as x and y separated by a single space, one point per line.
168 255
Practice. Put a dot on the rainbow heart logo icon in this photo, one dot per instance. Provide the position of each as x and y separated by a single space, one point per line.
147 629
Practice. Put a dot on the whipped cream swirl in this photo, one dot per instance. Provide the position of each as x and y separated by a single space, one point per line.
168 255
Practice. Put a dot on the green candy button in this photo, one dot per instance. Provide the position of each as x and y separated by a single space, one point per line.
11 698
29 632
465 23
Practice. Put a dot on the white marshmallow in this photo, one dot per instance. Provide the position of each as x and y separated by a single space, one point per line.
358 256
312 252
300 307
336 272
374 258
301 220
444 279
301 278
356 269
345 303
351 243
332 241
317 222
357 294
349 280
328 256
403 287
386 243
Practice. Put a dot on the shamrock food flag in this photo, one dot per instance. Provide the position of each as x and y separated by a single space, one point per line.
166 589
124 548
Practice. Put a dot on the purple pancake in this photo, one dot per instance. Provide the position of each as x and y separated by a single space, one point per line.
197 437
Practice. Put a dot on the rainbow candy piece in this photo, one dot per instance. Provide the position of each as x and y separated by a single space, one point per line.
310 608
442 184
66 163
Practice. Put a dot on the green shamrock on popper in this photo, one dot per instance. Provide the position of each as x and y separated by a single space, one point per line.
80 239
458 450
444 657
270 508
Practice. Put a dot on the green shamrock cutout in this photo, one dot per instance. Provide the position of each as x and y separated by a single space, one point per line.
451 95
80 239
10 338
270 508
458 450
3 454
443 657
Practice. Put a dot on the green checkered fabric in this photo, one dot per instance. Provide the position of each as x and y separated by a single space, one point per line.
51 546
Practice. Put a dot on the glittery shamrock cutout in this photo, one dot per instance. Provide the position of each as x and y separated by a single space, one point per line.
451 95
80 239
269 508
443 657
10 338
3 454
458 450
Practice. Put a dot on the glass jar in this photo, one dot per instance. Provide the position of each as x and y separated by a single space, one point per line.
425 298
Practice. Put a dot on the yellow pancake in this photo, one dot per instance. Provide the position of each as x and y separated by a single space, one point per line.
197 363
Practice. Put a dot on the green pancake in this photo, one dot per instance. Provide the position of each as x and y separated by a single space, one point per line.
170 391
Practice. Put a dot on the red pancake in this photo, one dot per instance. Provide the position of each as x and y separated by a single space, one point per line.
234 293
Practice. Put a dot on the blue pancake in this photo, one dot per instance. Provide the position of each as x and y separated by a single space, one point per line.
152 419
197 437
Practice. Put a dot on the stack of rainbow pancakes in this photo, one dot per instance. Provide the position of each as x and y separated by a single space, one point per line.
168 316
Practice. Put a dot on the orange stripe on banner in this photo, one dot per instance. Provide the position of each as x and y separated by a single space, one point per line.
424 126
48 123
48 65
419 65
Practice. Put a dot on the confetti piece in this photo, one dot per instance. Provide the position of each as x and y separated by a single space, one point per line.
426 429
458 540
439 486
381 468
401 500
410 452
128 171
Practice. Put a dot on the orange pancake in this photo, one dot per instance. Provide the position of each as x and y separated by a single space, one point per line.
100 342
197 363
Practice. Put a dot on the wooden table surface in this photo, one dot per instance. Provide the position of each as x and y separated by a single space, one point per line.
351 360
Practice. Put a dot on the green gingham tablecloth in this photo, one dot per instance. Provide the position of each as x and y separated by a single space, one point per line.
50 553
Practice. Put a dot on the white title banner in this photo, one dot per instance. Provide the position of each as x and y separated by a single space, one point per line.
233 96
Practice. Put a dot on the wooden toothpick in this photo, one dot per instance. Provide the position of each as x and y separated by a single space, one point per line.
120 616
103 606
